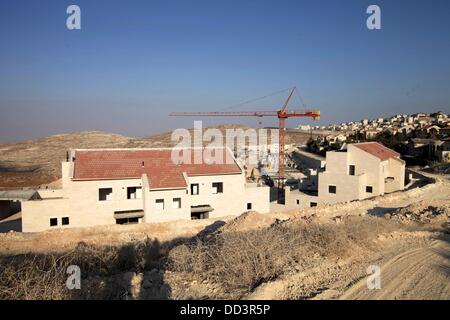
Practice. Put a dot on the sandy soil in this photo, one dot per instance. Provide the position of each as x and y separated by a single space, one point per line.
420 273
415 267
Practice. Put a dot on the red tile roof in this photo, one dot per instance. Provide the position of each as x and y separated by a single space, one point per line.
378 150
110 164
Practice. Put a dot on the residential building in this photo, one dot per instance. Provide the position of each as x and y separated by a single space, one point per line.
364 170
306 159
440 150
304 127
121 186
10 201
429 130
418 148
405 131
371 133
428 149
445 131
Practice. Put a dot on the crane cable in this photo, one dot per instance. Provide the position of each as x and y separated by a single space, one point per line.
256 99
302 104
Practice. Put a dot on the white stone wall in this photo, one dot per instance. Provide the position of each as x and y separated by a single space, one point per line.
369 171
396 170
79 201
347 187
235 196
295 199
36 214
259 198
371 166
153 214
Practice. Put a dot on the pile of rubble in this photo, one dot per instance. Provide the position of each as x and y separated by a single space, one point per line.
249 220
421 212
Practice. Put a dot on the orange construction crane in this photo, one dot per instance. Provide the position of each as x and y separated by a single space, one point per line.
282 115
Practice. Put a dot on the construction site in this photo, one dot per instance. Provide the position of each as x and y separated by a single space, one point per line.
151 220
146 185
224 155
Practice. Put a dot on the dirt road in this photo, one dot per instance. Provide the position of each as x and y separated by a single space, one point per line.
422 273
418 271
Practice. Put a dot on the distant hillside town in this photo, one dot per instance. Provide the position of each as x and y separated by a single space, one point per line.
420 138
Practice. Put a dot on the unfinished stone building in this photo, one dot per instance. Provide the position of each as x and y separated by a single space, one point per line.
10 201
121 186
364 170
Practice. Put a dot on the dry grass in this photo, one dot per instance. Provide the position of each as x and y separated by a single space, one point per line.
237 262
31 276
241 261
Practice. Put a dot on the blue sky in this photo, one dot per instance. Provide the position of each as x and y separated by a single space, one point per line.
135 61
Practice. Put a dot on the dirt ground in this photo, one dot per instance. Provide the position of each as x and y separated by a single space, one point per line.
413 265
417 273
